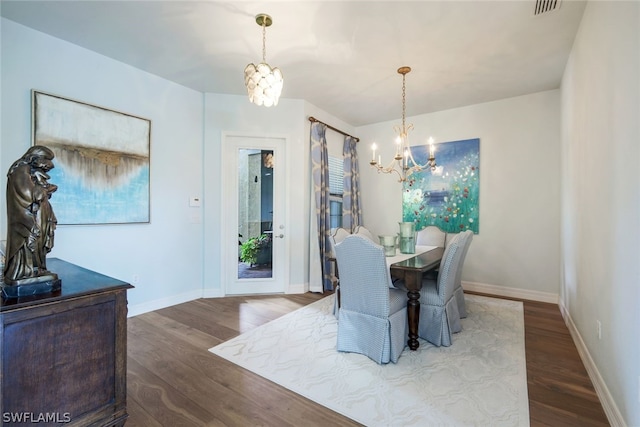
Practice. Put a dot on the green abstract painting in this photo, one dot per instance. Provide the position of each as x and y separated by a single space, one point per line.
449 196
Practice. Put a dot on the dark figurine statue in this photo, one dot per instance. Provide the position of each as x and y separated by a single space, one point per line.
31 224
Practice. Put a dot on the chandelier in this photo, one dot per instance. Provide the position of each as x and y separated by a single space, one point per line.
264 84
403 162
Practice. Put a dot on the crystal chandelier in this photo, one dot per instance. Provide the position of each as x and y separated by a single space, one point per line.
264 84
403 162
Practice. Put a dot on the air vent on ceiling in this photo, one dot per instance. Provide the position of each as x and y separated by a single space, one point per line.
543 6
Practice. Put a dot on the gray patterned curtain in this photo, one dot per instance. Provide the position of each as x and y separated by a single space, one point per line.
320 275
351 212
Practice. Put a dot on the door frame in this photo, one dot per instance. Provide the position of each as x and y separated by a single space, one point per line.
279 282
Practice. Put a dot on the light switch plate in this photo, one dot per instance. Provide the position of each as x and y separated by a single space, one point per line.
194 201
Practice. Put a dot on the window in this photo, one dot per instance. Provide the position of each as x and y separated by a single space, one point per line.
336 178
335 212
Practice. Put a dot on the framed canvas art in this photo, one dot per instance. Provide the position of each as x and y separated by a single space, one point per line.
101 160
449 196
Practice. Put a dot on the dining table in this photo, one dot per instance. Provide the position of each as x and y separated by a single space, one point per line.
410 268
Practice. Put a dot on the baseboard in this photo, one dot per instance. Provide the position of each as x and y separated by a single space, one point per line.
299 288
212 293
504 291
137 309
608 404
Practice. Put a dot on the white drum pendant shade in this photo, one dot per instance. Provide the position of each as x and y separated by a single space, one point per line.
264 84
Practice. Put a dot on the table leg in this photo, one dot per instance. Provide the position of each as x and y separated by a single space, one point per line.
413 312
413 282
411 274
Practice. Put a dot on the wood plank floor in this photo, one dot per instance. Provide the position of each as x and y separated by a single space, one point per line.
173 381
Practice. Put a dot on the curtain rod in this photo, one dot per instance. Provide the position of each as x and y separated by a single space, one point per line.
313 119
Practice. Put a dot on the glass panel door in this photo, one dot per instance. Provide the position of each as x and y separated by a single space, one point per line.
257 217
255 213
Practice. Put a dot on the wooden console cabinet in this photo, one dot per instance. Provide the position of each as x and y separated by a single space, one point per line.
64 354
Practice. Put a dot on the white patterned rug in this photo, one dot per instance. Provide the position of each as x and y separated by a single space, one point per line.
480 380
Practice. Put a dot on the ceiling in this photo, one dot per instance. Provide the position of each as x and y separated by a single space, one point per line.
341 56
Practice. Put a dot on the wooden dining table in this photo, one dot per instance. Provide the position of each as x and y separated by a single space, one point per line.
411 270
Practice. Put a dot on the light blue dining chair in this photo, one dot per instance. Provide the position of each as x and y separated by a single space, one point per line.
372 317
364 232
431 236
439 316
337 235
465 241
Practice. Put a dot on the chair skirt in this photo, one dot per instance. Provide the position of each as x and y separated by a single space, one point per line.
438 323
385 340
459 296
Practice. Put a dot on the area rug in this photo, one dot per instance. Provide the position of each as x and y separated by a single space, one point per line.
480 380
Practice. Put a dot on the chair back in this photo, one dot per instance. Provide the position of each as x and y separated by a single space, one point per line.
448 268
449 238
362 231
431 236
337 236
465 241
363 272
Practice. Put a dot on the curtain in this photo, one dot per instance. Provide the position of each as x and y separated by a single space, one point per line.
319 250
351 211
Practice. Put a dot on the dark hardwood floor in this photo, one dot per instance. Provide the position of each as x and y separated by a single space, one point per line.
173 381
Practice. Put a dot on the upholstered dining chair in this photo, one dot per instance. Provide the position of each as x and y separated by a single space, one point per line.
364 232
431 236
337 235
465 241
449 238
439 316
373 316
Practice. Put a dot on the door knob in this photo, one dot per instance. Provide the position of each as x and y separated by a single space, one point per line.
279 236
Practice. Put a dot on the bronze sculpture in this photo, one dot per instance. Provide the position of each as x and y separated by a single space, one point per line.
31 225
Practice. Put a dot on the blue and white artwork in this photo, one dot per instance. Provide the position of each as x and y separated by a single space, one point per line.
101 161
447 197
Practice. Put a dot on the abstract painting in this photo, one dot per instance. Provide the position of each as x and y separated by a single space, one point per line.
101 160
447 197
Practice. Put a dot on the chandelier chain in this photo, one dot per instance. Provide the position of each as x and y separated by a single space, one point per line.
403 162
404 107
264 41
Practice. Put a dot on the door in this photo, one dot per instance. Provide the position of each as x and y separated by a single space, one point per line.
254 215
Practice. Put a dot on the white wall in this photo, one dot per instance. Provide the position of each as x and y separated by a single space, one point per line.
518 244
601 194
167 253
